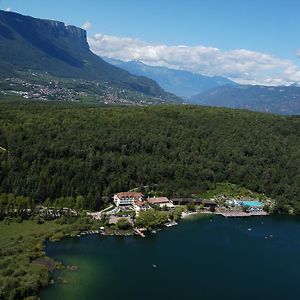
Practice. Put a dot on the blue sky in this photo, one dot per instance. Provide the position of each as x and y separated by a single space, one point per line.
268 27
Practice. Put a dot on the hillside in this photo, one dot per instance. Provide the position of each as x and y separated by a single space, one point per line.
69 150
275 99
39 48
181 83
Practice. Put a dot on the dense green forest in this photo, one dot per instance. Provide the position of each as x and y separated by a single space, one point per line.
52 151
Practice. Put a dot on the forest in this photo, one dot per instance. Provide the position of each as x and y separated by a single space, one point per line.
80 155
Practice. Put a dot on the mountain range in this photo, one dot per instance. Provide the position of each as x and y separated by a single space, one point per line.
47 60
181 83
275 99
50 47
218 91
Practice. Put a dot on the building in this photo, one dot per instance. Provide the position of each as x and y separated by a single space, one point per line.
160 201
182 201
127 198
139 205
210 204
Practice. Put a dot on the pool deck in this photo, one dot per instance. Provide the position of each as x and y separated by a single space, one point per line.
241 214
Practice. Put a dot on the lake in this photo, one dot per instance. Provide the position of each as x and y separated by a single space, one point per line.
201 258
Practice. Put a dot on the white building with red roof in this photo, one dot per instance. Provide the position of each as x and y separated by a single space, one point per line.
127 198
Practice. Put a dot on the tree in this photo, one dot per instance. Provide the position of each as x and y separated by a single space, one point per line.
79 202
191 206
151 219
123 224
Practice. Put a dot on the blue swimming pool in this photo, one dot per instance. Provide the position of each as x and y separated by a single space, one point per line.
251 203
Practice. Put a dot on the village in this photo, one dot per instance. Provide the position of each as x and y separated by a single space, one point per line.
136 211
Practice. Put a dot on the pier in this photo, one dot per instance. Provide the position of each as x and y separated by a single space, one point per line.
241 214
139 231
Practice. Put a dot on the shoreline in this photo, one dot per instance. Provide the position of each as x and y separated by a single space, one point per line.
185 215
194 213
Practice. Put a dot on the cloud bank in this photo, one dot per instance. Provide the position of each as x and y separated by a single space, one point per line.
241 65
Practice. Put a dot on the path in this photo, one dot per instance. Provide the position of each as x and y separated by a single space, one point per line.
107 211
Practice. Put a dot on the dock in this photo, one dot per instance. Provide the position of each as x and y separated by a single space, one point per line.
241 214
139 232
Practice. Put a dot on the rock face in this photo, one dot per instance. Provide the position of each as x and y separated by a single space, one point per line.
46 46
29 35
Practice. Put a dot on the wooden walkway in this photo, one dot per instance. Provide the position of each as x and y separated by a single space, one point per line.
241 214
138 231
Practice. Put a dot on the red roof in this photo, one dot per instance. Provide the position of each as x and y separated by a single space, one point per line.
129 195
158 200
140 203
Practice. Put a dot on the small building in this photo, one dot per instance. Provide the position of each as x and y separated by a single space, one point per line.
210 204
160 201
139 205
198 201
127 198
182 201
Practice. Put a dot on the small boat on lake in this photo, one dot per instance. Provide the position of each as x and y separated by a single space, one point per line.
173 223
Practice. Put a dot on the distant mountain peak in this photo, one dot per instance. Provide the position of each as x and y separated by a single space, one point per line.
179 82
295 84
276 99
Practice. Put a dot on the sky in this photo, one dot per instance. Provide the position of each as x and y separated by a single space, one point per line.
249 41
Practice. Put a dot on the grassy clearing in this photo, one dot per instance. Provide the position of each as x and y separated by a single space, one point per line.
230 190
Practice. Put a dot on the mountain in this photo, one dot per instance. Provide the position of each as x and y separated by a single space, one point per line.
181 83
275 99
51 47
296 84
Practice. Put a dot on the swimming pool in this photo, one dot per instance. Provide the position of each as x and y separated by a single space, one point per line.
251 203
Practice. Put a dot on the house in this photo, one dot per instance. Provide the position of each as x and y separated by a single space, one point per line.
160 201
127 198
139 205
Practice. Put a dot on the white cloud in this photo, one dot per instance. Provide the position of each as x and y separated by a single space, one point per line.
241 65
298 53
87 25
8 9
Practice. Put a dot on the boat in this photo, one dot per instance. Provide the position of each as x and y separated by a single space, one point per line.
173 223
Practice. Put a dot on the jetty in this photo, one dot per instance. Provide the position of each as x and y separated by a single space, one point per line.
139 231
240 214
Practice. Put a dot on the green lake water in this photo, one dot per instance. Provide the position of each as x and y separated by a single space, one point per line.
201 258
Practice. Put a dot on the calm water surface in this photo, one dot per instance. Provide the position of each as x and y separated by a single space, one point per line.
202 258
